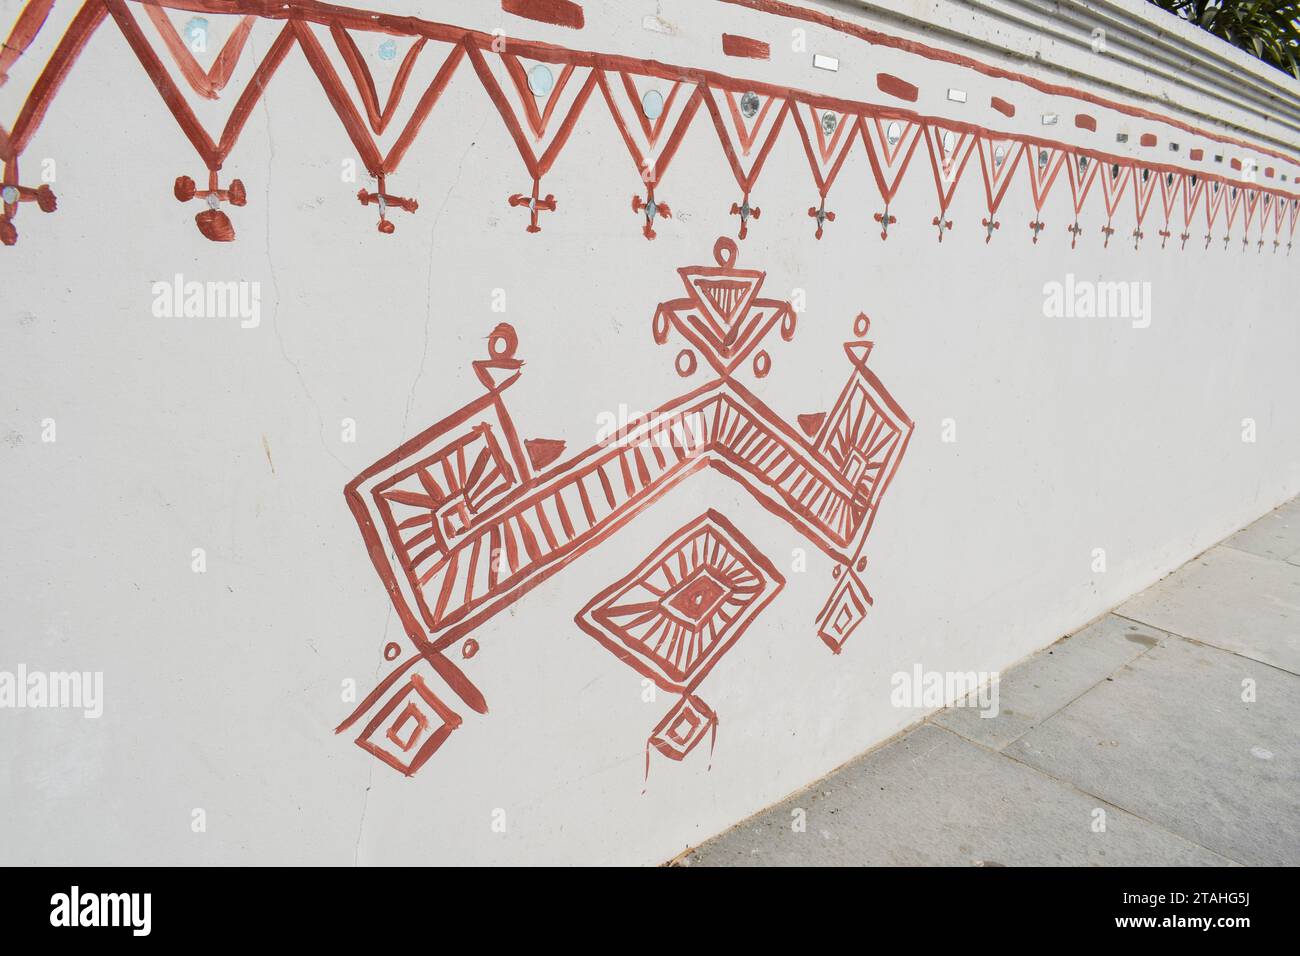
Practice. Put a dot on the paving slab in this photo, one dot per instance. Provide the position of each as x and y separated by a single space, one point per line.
1170 738
934 798
1038 688
1232 599
1276 535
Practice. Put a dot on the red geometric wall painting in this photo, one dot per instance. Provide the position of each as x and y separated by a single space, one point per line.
542 91
468 516
1045 164
949 153
747 124
828 136
998 159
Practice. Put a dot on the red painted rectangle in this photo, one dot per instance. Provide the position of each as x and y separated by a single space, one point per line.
745 46
1148 139
896 87
1002 106
561 13
1084 121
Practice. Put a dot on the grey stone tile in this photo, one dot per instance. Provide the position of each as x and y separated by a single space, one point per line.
932 798
1231 599
1170 739
1276 535
1052 678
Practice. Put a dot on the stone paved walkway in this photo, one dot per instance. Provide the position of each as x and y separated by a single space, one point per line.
1138 720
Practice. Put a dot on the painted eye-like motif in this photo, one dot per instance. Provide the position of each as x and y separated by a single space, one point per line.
540 80
948 142
893 133
1114 170
999 155
1083 164
1042 159
829 122
749 105
652 104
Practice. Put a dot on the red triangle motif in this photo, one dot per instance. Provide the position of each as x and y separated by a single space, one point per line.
998 160
540 131
651 142
1144 189
949 152
827 138
364 80
1045 164
1114 178
746 140
890 145
1082 170
210 82
811 423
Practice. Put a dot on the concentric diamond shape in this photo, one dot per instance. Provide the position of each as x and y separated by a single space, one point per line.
679 610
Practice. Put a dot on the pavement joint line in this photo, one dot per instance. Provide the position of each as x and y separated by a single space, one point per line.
1202 643
1023 661
1090 795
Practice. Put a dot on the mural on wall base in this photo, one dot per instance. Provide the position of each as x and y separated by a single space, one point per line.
466 518
541 92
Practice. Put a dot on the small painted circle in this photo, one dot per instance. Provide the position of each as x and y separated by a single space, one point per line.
788 323
749 105
659 328
762 363
503 341
686 363
652 104
10 194
469 648
835 571
540 80
861 325
391 651
862 565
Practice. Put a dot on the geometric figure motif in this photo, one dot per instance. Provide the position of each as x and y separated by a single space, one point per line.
684 727
679 610
723 316
844 610
410 727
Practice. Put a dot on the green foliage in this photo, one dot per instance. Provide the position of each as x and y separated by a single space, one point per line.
1266 28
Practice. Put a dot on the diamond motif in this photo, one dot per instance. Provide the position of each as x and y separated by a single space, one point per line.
678 611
